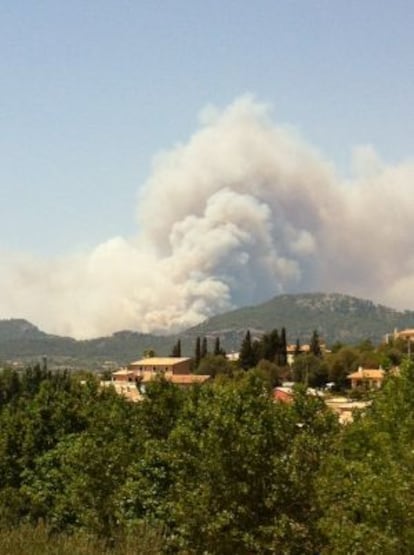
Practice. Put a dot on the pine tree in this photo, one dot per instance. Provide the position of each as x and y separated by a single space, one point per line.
282 348
204 349
266 350
217 350
275 346
176 350
246 355
197 354
315 347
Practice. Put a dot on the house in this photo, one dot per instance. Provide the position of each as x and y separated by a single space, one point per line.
305 349
233 356
283 394
292 351
367 378
345 408
123 375
124 388
184 380
406 335
161 365
139 373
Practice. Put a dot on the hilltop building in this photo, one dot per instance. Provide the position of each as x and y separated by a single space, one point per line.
131 381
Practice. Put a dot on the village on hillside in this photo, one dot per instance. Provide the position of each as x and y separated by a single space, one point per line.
286 364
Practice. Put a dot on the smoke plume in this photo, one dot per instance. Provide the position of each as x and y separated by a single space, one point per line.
243 211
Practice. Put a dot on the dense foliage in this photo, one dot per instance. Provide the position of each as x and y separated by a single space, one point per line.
217 469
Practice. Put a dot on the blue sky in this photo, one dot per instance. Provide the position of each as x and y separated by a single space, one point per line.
92 90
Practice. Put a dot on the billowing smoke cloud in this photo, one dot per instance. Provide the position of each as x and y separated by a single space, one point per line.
243 211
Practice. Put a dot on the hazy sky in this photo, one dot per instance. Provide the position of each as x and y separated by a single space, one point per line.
165 161
92 90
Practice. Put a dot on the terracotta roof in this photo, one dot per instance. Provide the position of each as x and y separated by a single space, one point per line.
405 333
283 394
123 372
367 374
159 361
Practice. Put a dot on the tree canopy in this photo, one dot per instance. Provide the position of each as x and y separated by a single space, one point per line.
218 469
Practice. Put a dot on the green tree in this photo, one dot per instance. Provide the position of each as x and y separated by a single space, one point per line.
204 347
315 346
160 408
73 484
244 459
270 372
282 358
366 482
10 386
247 358
214 365
217 348
310 370
342 363
176 350
197 352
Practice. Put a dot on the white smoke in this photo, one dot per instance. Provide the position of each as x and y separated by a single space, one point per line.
243 211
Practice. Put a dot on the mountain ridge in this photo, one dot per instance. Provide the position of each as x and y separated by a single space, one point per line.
336 316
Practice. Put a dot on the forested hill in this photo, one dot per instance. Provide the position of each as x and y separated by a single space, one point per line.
21 340
336 317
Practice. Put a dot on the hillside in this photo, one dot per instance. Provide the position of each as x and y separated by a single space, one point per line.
336 317
20 340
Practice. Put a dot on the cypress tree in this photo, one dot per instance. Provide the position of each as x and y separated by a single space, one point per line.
176 350
246 355
197 354
275 346
217 350
315 346
297 347
204 349
283 348
266 350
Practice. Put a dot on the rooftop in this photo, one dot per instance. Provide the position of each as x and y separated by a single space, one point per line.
123 372
409 332
367 374
159 361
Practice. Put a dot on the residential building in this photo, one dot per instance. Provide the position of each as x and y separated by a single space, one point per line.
139 373
161 365
369 378
407 334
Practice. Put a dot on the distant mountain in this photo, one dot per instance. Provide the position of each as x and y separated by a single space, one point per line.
22 341
336 317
